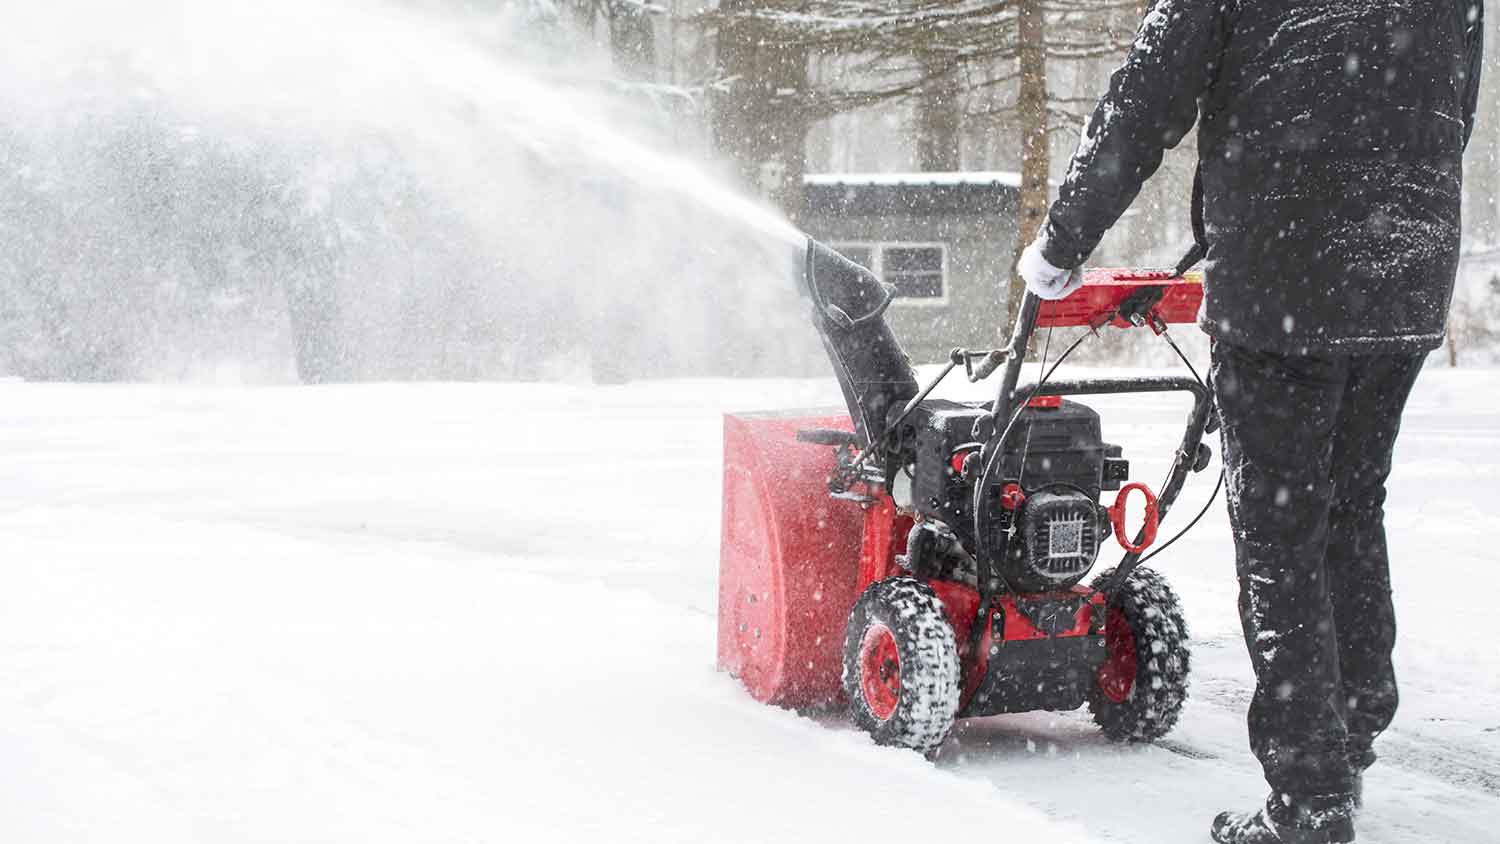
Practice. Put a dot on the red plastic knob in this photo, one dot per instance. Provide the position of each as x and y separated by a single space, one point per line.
1011 498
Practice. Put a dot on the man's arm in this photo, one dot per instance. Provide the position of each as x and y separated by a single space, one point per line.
1151 105
1474 45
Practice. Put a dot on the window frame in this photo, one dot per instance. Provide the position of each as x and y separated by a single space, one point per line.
877 257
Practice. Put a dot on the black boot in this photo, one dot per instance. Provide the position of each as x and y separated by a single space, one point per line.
1322 820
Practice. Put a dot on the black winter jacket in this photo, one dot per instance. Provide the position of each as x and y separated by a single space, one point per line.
1330 161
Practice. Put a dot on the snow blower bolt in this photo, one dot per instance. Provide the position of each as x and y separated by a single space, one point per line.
923 559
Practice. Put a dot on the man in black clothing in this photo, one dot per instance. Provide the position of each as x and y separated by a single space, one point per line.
1330 142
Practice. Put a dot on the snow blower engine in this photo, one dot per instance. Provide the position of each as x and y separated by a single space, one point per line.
923 560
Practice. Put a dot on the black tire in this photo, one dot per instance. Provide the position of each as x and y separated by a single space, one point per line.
1158 684
914 706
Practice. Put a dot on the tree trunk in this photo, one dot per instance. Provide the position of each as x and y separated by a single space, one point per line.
938 126
1036 162
312 306
760 122
632 41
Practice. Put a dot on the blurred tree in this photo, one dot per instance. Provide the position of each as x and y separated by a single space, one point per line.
632 39
939 119
1474 318
761 110
1482 160
936 53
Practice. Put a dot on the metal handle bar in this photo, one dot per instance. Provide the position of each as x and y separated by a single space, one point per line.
1015 353
1187 453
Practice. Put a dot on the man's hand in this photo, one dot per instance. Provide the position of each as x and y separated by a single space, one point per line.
1042 278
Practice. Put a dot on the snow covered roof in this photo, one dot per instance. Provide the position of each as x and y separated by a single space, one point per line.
892 194
975 177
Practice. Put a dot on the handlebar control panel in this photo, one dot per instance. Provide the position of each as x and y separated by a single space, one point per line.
1105 294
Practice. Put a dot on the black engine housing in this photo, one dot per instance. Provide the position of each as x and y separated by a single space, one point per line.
1057 456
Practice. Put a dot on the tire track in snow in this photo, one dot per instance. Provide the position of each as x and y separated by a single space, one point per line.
1442 759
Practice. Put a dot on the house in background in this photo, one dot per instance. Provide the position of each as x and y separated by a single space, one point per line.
946 240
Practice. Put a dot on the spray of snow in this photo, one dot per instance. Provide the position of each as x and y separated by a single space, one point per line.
364 189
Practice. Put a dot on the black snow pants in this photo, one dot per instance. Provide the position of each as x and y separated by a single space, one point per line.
1307 446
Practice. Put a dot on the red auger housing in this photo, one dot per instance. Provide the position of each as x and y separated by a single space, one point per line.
923 560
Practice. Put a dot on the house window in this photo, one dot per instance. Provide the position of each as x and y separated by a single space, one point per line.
918 270
862 255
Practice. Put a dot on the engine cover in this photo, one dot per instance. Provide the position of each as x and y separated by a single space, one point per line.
1057 455
1057 541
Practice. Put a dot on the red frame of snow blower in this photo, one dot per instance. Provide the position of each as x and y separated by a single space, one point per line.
1098 301
794 558
786 585
786 579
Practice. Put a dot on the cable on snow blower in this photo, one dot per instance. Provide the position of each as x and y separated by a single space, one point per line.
923 559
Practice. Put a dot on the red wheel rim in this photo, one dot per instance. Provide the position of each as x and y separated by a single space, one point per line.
880 671
1117 674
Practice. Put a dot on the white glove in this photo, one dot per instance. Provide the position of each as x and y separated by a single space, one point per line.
1043 279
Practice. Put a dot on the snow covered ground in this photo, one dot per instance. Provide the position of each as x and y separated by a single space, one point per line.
484 613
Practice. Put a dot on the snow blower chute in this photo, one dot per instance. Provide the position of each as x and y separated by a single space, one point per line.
923 560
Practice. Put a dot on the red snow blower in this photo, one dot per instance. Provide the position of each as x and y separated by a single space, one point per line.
923 559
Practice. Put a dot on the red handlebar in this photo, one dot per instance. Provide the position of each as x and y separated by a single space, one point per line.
1117 518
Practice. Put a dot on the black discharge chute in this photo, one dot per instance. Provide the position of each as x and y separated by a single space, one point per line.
872 369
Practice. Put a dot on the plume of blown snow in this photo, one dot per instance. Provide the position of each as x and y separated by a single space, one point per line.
344 190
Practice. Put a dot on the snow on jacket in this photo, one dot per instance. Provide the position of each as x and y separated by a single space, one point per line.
1330 162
